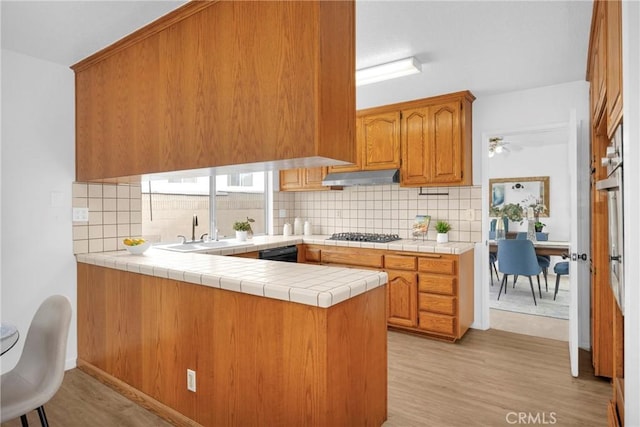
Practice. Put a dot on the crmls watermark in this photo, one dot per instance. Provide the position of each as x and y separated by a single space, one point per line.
540 418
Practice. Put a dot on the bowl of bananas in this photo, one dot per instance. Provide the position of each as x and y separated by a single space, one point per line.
136 246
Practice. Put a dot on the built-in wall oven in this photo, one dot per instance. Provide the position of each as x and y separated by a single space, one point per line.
613 186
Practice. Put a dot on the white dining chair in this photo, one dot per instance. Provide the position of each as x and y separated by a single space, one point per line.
39 372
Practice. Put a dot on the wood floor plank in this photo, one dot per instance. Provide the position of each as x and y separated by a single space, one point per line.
489 376
480 381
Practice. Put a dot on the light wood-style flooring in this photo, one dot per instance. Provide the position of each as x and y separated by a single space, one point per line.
487 379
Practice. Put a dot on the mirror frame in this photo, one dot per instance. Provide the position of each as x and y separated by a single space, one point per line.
541 181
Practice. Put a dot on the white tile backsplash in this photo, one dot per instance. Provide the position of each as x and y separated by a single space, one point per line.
382 209
113 215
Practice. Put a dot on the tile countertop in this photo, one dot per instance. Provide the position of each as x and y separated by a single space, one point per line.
406 245
321 286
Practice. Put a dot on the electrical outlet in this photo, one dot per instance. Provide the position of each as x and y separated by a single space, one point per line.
191 380
338 214
282 213
80 214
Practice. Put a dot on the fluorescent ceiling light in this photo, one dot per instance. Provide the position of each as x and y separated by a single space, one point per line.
390 70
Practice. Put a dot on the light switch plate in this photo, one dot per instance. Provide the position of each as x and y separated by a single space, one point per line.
80 214
282 213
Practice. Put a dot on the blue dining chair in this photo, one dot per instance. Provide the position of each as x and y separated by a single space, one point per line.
543 260
493 256
518 257
560 269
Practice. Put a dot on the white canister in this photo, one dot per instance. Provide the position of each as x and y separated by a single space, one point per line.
307 228
297 226
287 230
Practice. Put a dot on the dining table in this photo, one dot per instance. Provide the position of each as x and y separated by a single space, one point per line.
9 336
546 247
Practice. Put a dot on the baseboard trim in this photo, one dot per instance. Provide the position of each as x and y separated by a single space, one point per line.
169 414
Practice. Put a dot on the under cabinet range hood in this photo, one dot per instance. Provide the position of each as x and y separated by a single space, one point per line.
345 179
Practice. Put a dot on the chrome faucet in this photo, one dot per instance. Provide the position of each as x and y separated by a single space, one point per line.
194 224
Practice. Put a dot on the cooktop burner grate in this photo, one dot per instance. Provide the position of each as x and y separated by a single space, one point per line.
365 237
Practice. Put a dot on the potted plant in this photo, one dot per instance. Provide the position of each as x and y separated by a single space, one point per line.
243 228
512 211
442 227
539 226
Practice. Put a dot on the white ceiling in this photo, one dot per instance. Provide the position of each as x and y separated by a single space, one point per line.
485 46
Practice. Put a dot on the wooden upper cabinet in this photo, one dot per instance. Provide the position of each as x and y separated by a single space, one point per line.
377 141
614 65
303 179
381 140
199 88
597 66
436 142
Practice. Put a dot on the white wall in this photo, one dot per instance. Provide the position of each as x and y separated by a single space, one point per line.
519 110
525 109
37 172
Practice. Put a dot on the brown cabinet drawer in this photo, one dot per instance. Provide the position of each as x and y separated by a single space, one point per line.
439 323
400 262
437 284
312 254
437 303
437 265
352 258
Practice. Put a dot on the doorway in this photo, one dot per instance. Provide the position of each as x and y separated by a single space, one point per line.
530 153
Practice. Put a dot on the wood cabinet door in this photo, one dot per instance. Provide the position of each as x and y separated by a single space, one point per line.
415 167
381 139
290 179
312 178
445 143
598 62
614 65
403 295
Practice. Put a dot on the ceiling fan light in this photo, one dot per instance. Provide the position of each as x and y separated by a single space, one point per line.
498 149
390 70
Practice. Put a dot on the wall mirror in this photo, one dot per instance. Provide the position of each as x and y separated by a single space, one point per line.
524 191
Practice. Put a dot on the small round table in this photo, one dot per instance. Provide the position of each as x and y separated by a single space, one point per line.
9 336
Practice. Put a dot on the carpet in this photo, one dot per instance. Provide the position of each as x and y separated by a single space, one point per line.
519 300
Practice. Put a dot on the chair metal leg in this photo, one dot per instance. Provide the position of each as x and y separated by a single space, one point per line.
545 272
491 272
493 269
503 284
557 286
23 420
532 291
515 279
43 416
539 289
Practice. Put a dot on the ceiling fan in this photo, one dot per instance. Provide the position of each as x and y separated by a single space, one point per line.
498 145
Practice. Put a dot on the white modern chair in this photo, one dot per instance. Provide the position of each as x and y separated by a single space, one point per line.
40 370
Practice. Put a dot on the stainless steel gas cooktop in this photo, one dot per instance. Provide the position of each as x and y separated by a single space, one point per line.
365 237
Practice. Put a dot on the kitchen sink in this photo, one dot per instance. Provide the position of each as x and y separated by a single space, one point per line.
203 246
